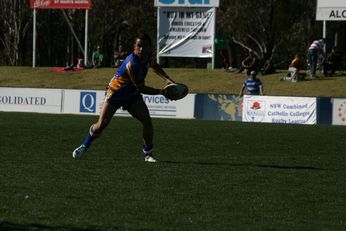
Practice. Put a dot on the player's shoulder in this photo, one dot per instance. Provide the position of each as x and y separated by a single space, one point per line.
131 60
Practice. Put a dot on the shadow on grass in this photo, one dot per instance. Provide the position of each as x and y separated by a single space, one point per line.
12 226
245 165
28 227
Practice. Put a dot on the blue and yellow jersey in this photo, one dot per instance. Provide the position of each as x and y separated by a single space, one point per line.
129 76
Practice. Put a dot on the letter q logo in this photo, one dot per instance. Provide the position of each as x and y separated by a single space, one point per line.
88 102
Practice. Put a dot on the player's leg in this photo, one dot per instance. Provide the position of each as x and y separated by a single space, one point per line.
313 58
96 129
139 110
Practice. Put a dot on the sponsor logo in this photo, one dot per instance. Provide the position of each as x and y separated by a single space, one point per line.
256 105
88 102
41 3
22 100
188 3
342 112
256 110
155 99
182 2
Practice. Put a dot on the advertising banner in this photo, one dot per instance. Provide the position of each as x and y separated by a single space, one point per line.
186 32
60 4
160 107
30 100
86 102
339 112
187 3
90 102
271 109
218 107
331 10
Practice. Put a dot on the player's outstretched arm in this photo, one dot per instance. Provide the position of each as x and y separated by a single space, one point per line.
160 72
150 90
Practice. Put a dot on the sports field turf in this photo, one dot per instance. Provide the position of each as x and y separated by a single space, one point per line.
213 175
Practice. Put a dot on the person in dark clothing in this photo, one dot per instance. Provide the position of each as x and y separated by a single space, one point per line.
331 62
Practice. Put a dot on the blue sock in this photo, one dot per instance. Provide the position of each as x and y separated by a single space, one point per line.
90 138
147 150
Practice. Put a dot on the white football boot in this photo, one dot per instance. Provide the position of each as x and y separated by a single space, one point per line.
78 152
150 158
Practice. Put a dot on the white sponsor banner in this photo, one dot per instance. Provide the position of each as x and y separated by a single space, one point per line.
30 100
339 112
186 32
159 106
187 3
331 10
89 102
271 109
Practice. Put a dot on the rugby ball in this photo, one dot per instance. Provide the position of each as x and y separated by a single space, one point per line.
175 91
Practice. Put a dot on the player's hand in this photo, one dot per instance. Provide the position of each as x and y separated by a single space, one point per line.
169 81
163 92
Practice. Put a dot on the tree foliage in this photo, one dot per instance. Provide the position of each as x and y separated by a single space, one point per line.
269 27
274 29
13 31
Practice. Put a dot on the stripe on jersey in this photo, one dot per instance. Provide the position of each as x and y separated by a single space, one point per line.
132 77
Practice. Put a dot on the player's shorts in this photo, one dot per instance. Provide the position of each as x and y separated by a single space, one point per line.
118 100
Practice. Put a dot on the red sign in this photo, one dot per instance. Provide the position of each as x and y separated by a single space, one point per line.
60 4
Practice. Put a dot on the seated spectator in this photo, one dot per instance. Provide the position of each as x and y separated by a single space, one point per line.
80 63
249 63
331 62
268 67
80 60
97 58
119 57
293 70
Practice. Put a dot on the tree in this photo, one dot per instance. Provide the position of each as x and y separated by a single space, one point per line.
14 27
268 26
274 29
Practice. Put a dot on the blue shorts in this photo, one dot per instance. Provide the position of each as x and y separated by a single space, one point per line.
118 100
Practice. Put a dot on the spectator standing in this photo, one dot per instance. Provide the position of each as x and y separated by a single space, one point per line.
315 50
253 85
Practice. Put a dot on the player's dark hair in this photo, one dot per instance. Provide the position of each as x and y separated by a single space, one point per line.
144 36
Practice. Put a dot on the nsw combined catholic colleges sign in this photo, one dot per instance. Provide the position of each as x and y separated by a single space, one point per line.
331 10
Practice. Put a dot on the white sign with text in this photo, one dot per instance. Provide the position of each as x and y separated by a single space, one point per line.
89 102
277 109
186 32
331 10
30 100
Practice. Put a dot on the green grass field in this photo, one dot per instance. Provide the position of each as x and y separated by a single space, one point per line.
198 80
213 175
